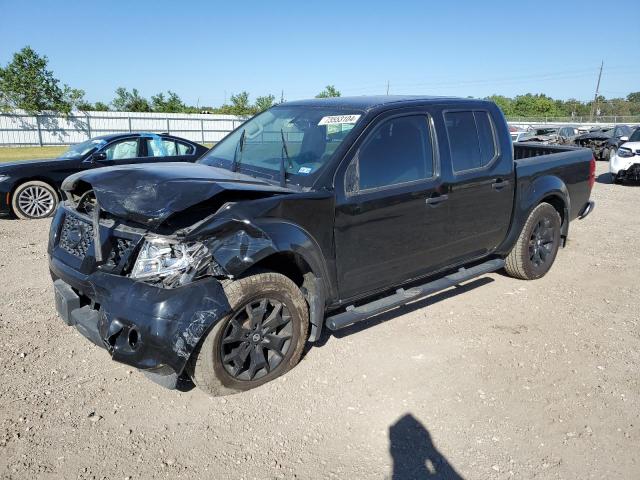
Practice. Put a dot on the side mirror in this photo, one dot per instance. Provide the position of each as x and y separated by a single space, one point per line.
98 157
624 139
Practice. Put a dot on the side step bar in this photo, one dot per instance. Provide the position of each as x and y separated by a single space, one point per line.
357 314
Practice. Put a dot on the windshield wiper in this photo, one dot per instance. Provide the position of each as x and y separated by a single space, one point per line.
283 154
237 157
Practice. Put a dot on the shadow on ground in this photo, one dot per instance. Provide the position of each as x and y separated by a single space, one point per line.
414 454
396 312
605 179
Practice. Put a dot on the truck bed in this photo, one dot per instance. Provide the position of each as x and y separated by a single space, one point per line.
570 164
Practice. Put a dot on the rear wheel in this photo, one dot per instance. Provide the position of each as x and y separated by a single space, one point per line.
537 247
261 339
33 200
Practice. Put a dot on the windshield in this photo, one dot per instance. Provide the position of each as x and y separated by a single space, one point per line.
635 136
303 138
79 150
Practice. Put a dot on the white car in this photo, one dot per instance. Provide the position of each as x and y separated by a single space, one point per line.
625 163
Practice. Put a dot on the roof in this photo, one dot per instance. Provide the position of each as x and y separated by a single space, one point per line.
114 136
369 102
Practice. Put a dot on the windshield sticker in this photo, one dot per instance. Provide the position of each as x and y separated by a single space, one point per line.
305 170
333 119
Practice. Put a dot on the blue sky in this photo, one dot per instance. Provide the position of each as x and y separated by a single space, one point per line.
207 50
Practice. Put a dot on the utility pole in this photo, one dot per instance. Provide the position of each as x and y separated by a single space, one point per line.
387 87
282 96
595 98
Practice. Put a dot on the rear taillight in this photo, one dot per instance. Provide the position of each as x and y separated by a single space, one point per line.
592 172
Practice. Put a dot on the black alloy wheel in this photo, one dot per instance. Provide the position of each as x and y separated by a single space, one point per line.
256 339
541 243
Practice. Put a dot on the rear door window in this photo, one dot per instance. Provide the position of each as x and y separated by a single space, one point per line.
472 141
157 147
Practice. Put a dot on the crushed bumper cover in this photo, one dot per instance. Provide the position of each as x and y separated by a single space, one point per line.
146 327
631 174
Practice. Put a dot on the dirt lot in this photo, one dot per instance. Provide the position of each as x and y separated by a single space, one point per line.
499 379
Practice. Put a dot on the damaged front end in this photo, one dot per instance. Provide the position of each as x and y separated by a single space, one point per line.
596 141
136 278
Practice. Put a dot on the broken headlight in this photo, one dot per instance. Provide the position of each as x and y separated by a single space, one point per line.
169 263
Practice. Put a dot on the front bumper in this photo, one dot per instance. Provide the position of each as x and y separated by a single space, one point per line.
5 198
147 327
630 171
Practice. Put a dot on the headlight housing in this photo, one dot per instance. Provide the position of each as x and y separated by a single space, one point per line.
624 152
170 263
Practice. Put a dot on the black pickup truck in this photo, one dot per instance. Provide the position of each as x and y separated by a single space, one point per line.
313 213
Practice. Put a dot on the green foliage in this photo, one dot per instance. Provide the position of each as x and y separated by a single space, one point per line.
633 97
100 107
126 101
263 103
329 91
505 103
540 105
25 83
172 104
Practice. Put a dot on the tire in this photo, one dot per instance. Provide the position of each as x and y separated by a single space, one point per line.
233 337
615 180
537 246
34 200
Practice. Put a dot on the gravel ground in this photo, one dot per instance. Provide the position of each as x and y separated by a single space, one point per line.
498 379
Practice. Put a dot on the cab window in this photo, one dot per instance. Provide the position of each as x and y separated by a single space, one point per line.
397 151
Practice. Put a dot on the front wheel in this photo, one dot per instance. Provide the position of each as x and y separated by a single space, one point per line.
33 200
261 339
537 246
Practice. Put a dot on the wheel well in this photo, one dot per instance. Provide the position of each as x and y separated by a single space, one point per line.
289 264
37 179
557 203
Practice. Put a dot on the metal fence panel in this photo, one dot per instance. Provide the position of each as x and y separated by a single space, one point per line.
19 128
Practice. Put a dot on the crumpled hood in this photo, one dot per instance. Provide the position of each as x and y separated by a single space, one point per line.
597 135
150 193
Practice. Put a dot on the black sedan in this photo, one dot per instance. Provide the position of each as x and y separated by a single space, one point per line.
31 189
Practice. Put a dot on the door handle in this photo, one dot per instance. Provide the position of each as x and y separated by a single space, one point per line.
437 200
499 184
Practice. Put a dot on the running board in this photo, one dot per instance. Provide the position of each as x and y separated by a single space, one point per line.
357 314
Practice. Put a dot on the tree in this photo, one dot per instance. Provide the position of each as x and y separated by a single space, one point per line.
535 105
633 97
126 101
263 103
239 105
505 103
100 107
329 91
172 104
26 83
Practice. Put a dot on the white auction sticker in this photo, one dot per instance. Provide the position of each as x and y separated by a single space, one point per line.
333 119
